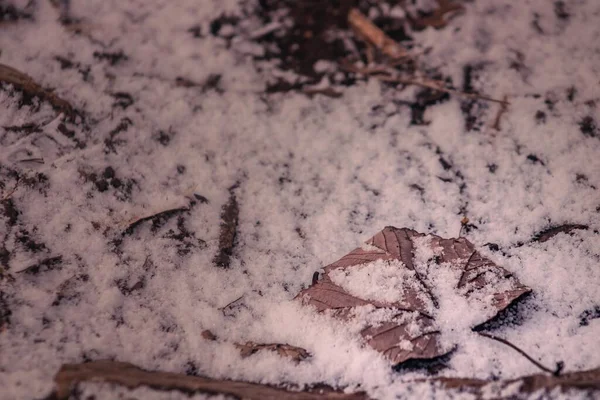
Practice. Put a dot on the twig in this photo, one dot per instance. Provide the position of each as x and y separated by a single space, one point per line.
386 74
437 85
328 92
230 303
7 196
369 32
38 160
24 83
131 376
501 111
163 214
588 381
555 372
549 233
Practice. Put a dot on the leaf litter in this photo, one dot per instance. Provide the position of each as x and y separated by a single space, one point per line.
419 281
352 144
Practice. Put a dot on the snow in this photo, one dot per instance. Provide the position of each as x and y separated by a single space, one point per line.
335 170
380 280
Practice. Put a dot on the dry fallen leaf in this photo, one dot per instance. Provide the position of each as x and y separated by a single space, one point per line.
412 332
297 354
208 335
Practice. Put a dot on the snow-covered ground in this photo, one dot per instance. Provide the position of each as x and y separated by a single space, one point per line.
314 178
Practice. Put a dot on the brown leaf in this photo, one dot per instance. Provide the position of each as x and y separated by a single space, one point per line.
297 354
23 82
131 376
208 335
411 333
229 222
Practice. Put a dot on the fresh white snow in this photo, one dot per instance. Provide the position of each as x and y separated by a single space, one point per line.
316 177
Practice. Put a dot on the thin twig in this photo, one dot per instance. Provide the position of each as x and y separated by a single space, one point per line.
162 214
555 372
370 33
501 111
230 303
7 196
437 85
385 74
38 160
25 83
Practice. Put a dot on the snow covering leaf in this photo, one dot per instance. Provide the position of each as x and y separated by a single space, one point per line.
426 268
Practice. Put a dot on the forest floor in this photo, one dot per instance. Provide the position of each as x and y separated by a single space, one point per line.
176 175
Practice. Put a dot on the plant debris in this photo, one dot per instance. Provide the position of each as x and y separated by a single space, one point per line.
130 376
47 264
549 233
439 17
5 312
208 335
541 384
24 83
229 222
559 365
338 116
369 32
157 219
397 338
503 108
297 354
